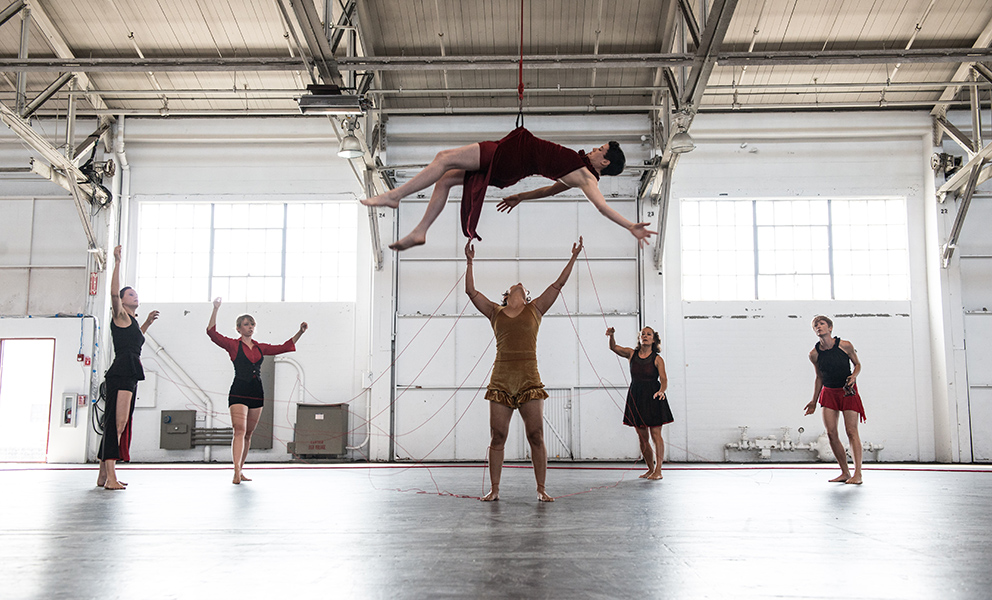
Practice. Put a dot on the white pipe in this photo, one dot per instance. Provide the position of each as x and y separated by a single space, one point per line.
299 373
188 381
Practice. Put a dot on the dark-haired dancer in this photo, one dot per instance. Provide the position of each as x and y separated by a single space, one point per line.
246 397
837 390
515 383
122 378
647 406
501 164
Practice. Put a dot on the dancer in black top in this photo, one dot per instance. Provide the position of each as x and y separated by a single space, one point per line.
246 397
837 390
647 406
122 378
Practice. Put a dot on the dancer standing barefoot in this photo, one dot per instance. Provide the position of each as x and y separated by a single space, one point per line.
246 397
516 383
122 378
647 406
503 163
837 390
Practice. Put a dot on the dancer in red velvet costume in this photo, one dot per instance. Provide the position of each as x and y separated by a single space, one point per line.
503 163
836 389
122 378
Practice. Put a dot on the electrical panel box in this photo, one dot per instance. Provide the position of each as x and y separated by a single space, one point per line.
321 430
177 429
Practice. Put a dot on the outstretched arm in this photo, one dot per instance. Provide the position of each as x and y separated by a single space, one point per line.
618 349
508 203
479 299
582 179
545 300
212 324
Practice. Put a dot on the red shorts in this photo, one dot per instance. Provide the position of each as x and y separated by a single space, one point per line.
834 398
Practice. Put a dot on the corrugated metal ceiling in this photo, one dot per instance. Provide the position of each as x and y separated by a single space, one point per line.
257 29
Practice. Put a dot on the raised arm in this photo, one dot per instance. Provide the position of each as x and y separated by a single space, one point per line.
583 179
115 291
299 334
618 349
545 300
212 324
478 299
817 386
149 320
508 203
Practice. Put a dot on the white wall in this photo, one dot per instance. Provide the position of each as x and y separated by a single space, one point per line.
737 364
248 160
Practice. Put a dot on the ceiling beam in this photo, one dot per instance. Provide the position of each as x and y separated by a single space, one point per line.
50 153
721 12
981 44
503 62
58 44
690 21
320 48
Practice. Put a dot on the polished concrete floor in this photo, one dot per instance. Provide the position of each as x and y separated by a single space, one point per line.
354 531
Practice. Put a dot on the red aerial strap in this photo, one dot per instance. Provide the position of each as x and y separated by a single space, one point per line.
520 72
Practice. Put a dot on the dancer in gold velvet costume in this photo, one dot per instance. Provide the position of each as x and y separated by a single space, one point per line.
515 382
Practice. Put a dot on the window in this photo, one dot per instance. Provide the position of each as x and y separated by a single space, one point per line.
257 252
787 249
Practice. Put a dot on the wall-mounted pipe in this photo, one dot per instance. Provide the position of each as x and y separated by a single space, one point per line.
765 445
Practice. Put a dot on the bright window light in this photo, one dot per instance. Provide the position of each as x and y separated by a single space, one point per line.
795 249
247 252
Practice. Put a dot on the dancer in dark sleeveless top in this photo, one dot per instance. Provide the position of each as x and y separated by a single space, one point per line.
246 396
647 406
503 163
836 389
516 383
122 378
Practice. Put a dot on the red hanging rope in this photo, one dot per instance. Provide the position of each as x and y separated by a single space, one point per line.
520 71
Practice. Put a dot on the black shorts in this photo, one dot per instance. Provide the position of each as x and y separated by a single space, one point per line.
247 392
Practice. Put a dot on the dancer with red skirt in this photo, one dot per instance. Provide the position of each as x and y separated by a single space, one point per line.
246 397
501 164
837 391
121 379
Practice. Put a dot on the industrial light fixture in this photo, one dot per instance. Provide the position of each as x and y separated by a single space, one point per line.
328 100
351 146
681 142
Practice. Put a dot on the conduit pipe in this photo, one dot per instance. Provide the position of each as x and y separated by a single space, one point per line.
765 445
177 370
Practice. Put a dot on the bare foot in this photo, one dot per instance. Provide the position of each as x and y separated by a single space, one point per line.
381 200
408 242
544 497
856 480
237 479
655 475
113 485
843 477
243 478
492 496
101 481
645 475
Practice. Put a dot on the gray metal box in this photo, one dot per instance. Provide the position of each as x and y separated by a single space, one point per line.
177 429
321 430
